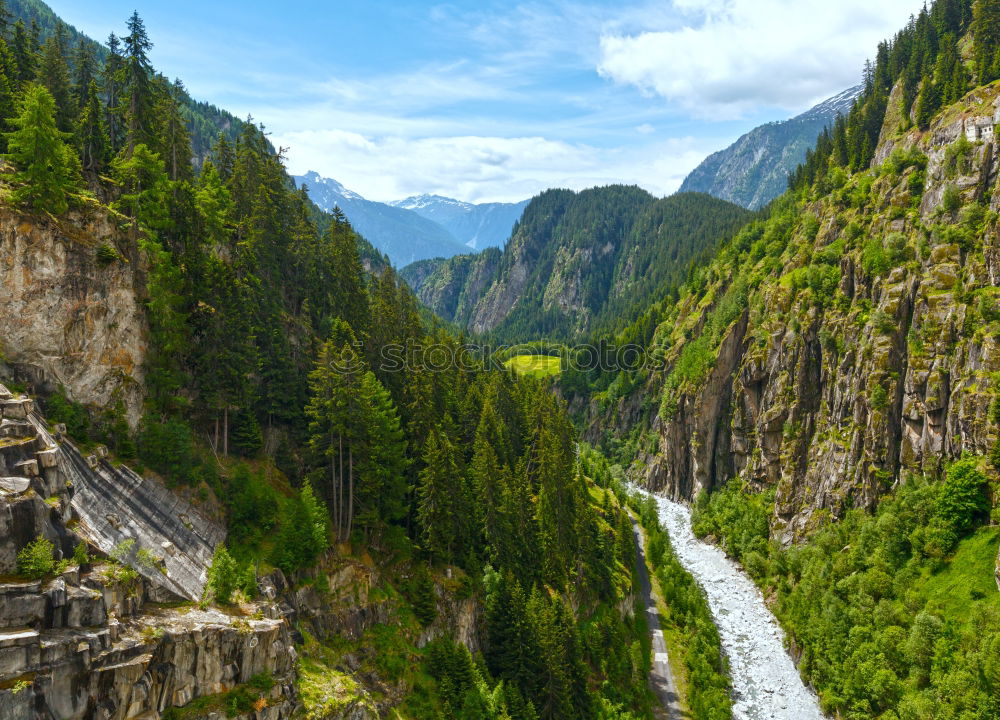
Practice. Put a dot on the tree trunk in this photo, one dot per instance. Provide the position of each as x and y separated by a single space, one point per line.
333 477
225 432
350 508
340 490
215 440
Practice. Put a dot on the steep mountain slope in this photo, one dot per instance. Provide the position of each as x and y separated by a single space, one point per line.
204 120
479 225
312 529
754 170
404 236
576 262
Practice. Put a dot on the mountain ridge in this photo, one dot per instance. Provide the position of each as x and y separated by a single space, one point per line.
754 170
420 227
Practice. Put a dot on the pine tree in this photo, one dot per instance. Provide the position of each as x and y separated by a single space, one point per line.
48 169
84 72
334 391
53 73
5 18
176 142
986 37
381 493
8 84
350 299
441 502
92 137
114 68
25 55
138 92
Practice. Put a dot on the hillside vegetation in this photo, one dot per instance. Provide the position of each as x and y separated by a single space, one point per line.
577 263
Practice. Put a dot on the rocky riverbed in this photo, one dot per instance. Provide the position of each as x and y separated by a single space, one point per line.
766 683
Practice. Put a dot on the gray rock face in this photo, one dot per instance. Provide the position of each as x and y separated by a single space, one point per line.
754 170
832 406
86 645
66 319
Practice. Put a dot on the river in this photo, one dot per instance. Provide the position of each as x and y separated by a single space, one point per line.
766 683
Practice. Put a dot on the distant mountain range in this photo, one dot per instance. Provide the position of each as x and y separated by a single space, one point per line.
479 226
577 262
754 170
420 227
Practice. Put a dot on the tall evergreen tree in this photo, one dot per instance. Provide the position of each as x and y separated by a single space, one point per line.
138 91
442 504
53 73
84 72
25 55
48 169
114 68
986 39
92 136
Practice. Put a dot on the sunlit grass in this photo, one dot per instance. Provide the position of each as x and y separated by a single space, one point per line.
535 365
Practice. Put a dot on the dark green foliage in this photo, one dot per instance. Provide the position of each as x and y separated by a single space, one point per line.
887 624
167 446
60 409
303 532
47 168
253 507
36 560
422 596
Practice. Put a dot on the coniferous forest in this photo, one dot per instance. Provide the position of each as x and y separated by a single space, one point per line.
250 469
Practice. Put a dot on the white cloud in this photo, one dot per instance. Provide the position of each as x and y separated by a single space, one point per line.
726 57
645 129
483 169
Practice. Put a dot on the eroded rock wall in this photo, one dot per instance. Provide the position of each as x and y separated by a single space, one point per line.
66 317
834 400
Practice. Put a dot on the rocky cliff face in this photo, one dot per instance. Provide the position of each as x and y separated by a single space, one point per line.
72 312
868 340
91 641
754 170
126 639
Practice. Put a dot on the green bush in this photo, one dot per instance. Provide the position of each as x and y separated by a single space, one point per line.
107 254
951 200
60 409
36 559
223 576
962 498
167 446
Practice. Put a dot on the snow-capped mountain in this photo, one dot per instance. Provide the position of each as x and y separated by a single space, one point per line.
754 170
404 235
479 225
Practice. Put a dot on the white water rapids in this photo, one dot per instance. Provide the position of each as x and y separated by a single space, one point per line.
766 683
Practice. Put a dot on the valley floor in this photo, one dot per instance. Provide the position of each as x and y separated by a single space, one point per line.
661 675
766 683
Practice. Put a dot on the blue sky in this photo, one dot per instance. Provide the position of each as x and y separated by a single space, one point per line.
499 100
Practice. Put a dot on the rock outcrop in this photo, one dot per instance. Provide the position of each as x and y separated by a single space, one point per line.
833 393
72 310
91 642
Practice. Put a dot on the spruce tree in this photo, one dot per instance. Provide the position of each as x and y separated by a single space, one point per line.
92 136
84 72
138 92
986 38
48 170
53 73
440 498
112 74
25 55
